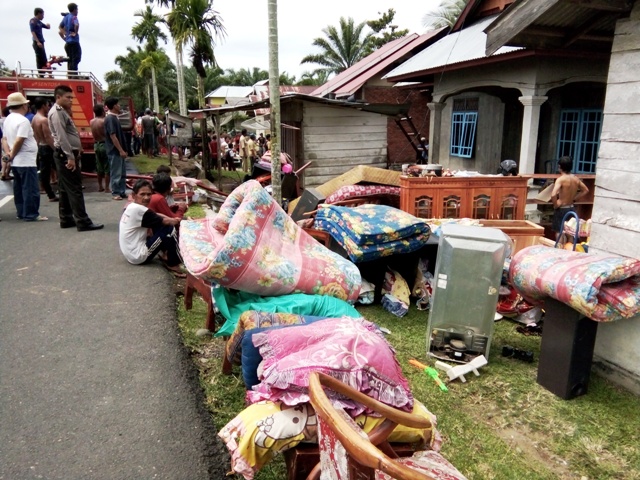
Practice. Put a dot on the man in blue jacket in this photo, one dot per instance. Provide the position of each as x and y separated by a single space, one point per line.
36 25
68 31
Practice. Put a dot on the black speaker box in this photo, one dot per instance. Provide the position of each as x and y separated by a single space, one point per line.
308 202
566 352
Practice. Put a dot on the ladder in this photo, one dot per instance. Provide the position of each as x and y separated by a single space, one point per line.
408 128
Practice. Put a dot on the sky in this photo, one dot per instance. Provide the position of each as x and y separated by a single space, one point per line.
105 29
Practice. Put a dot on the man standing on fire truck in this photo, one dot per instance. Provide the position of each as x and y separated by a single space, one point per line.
68 149
68 31
36 25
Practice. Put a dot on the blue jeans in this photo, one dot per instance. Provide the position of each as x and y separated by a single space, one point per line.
118 176
26 192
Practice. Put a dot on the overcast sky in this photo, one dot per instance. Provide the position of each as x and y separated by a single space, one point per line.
105 29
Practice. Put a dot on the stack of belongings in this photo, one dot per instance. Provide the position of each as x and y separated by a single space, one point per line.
254 247
368 232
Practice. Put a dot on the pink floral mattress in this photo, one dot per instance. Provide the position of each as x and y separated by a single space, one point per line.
601 287
252 245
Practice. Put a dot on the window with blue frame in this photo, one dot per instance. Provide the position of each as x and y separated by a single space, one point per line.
579 138
464 121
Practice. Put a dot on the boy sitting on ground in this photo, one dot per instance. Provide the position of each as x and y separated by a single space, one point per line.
162 186
144 233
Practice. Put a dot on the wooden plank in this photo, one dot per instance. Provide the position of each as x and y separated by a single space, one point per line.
617 213
346 122
335 130
619 182
619 6
612 152
614 240
355 137
325 168
355 154
345 146
620 127
513 21
330 172
331 112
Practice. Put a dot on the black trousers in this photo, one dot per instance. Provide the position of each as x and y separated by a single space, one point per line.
164 239
74 53
41 57
71 206
45 164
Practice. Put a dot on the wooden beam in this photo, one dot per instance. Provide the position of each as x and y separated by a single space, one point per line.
514 20
582 30
620 6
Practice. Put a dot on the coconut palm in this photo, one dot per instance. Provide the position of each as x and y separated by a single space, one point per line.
341 47
446 15
194 23
182 96
148 30
274 100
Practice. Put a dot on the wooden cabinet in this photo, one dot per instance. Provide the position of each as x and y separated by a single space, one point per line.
482 197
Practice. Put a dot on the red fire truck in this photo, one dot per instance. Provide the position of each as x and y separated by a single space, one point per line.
87 91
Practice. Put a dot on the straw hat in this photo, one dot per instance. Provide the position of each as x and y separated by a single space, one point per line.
16 99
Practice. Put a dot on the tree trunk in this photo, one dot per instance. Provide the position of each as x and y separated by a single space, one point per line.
180 78
203 130
274 100
154 83
149 95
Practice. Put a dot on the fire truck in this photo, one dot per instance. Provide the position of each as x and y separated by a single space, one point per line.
87 91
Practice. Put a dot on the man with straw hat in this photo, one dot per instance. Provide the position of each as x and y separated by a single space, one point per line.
22 156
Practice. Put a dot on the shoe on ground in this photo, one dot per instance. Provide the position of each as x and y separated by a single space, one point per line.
67 225
54 199
90 227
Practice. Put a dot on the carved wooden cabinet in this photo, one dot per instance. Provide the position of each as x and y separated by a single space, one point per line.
482 197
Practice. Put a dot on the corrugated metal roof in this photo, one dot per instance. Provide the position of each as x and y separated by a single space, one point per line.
226 91
462 46
348 82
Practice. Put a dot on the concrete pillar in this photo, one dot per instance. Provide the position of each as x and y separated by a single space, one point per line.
530 124
435 127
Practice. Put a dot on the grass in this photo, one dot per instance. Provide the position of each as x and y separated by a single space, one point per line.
500 425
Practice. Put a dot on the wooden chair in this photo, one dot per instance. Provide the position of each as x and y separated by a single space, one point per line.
192 285
349 454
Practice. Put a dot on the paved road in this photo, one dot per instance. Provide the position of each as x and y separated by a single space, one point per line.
94 381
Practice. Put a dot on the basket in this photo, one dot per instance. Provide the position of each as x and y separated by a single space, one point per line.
584 227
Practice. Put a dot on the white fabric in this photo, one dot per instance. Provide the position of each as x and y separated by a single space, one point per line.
17 126
132 235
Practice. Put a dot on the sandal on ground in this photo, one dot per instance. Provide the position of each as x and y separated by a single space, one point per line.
101 189
116 198
39 218
176 270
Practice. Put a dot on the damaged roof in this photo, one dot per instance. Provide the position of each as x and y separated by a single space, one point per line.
459 47
353 78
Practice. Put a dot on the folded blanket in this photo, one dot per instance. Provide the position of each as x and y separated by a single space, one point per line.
252 245
601 287
354 191
364 253
373 224
233 303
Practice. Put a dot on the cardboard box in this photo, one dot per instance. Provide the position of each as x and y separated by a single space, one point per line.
545 194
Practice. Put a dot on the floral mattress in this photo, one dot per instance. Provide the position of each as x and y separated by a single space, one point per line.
601 287
252 245
369 232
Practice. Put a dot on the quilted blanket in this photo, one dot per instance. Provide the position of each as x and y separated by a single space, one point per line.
252 245
603 288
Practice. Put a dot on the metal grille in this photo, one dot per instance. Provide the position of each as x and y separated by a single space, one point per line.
463 133
579 137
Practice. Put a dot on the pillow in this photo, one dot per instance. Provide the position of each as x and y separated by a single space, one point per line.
250 357
251 319
352 350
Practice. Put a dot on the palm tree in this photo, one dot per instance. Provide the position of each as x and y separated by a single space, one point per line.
446 15
182 96
147 29
153 62
341 48
274 100
194 23
317 77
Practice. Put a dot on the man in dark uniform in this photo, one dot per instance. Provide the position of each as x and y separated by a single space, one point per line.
36 25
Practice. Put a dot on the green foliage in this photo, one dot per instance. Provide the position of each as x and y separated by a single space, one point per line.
148 29
317 77
340 47
384 31
446 15
4 71
131 79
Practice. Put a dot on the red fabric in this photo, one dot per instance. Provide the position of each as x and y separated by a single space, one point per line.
159 204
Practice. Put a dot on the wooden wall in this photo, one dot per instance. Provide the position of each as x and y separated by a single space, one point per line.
616 208
337 139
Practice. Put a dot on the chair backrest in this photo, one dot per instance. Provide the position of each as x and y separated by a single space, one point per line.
346 452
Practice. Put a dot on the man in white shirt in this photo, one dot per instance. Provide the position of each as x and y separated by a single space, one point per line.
22 156
136 244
